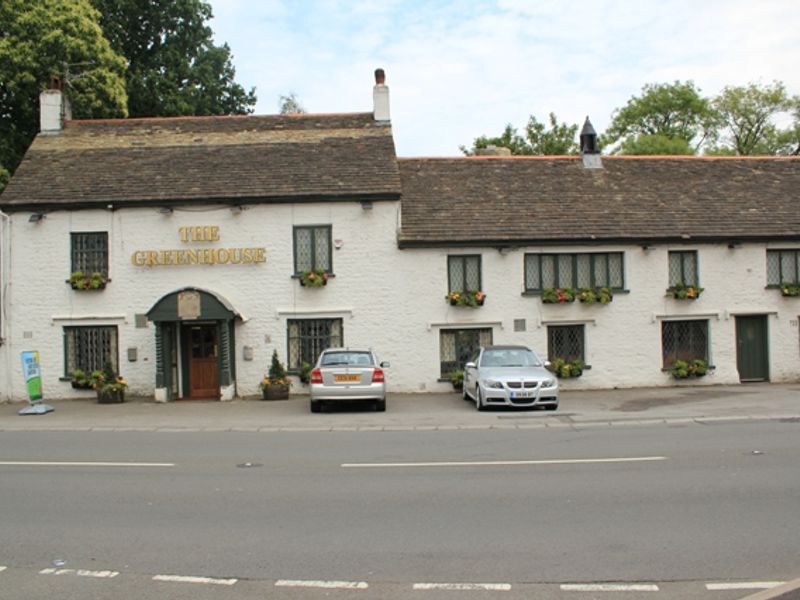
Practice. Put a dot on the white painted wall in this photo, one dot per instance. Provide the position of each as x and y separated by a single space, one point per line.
391 300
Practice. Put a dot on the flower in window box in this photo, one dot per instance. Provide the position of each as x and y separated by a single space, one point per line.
558 295
680 291
683 369
790 289
565 369
314 278
81 380
603 295
470 298
84 281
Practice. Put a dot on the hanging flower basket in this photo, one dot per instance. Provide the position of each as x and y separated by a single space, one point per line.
558 295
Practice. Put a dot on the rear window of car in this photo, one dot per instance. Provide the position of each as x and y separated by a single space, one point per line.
511 357
330 359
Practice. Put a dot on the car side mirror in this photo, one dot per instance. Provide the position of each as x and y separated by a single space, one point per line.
547 364
385 365
469 365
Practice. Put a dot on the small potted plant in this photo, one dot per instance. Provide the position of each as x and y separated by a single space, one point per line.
457 379
275 385
681 291
684 369
790 289
559 295
109 385
305 373
603 295
565 369
314 278
471 298
87 281
81 380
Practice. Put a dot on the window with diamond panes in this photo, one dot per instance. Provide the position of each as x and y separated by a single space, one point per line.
312 248
683 267
90 348
464 273
565 341
459 346
307 338
783 266
578 270
684 340
90 252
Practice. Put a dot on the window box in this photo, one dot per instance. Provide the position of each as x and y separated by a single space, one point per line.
565 369
602 295
683 369
314 278
679 291
558 295
85 281
790 290
471 299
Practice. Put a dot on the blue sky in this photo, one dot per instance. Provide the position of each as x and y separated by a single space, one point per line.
459 69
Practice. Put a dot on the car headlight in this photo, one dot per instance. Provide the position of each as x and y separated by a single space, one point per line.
491 383
548 383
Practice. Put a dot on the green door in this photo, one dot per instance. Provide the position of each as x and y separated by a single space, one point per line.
752 356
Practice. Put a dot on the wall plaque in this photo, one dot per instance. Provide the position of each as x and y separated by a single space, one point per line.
189 305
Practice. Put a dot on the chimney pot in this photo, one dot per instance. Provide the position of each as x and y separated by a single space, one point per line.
380 77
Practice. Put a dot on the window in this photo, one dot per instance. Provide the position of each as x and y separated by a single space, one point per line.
464 273
590 270
783 266
565 341
90 348
459 346
312 248
90 253
683 268
684 340
307 338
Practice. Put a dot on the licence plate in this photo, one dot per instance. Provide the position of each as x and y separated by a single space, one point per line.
522 395
346 378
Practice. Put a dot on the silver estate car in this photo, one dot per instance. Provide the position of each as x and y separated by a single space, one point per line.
509 376
346 375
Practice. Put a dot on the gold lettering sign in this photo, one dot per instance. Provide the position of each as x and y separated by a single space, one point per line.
199 256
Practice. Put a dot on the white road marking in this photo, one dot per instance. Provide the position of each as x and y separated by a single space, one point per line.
507 463
80 464
339 585
79 573
190 579
609 587
743 585
491 587
2 569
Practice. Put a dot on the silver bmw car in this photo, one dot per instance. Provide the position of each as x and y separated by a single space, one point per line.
346 375
509 376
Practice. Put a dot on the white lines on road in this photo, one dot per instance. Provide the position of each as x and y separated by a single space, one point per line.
460 587
190 579
507 463
2 569
80 573
331 585
743 585
609 587
80 464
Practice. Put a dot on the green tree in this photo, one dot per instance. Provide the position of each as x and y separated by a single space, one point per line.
43 38
559 139
174 68
747 115
290 105
665 116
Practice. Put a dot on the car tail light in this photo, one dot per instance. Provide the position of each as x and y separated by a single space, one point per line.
377 376
316 376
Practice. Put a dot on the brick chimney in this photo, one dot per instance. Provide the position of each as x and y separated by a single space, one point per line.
54 107
380 97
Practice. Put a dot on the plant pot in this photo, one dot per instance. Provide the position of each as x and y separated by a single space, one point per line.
275 392
81 386
110 396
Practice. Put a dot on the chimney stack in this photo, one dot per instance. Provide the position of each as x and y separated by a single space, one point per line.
54 107
380 97
590 149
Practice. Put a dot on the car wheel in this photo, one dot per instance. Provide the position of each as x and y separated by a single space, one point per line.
380 405
316 406
479 400
551 406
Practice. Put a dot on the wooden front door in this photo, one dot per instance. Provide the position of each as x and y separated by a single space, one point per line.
752 348
200 342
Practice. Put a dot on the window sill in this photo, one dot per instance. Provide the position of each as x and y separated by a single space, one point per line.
538 293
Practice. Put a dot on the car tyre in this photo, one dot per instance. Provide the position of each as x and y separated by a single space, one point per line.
380 405
479 400
316 406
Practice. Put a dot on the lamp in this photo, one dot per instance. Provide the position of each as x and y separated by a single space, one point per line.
733 244
165 210
366 204
36 218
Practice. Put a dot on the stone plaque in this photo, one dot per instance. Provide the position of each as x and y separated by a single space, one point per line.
189 305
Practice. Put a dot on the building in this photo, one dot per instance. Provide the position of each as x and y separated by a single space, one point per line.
201 230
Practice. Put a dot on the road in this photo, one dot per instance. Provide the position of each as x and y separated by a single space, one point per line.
547 512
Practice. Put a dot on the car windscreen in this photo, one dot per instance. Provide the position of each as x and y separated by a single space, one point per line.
349 358
510 357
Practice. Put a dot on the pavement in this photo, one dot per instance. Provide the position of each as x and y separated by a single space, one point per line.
424 412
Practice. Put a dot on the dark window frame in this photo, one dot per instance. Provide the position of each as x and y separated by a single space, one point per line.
684 256
459 261
89 252
315 231
467 351
313 343
578 330
76 357
596 259
780 252
684 331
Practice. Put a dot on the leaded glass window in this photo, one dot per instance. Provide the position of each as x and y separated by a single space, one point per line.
90 252
464 273
90 348
565 341
783 266
575 270
312 248
307 338
459 346
683 267
684 340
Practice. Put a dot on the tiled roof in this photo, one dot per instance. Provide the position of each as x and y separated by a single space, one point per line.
207 159
549 200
